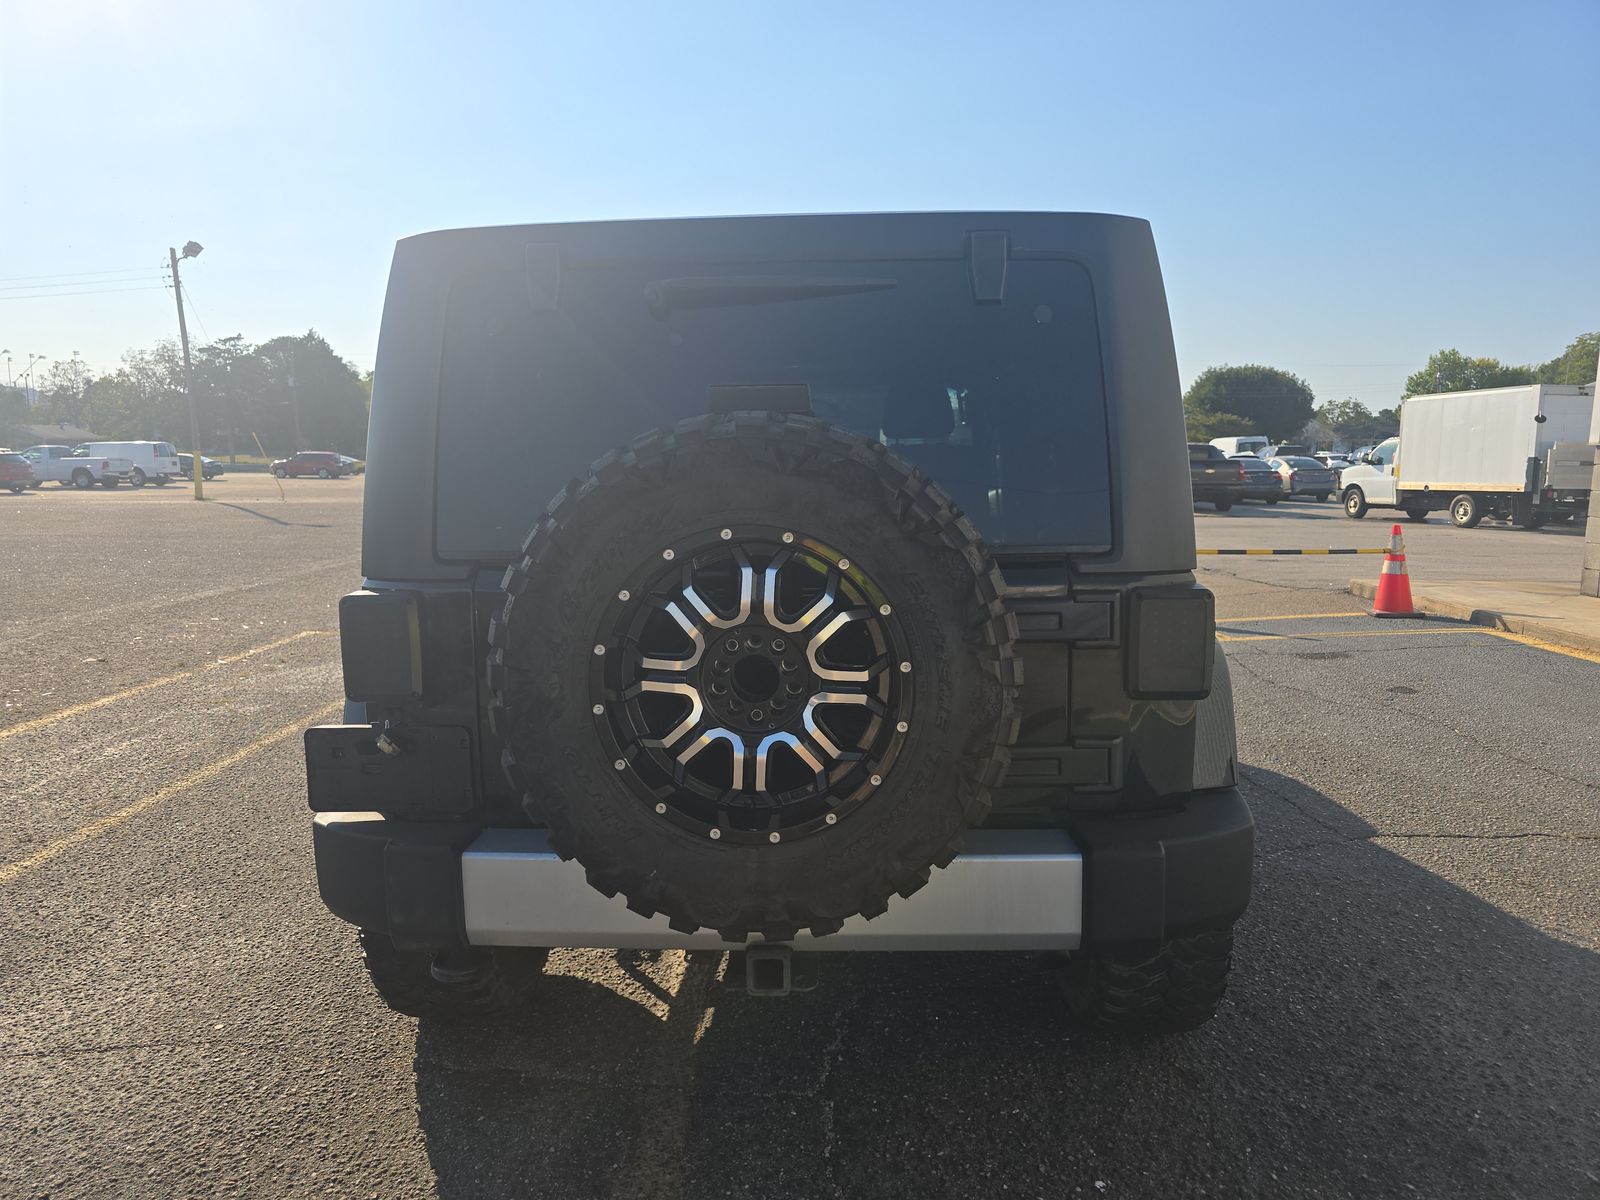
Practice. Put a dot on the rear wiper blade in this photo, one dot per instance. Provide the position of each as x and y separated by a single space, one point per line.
717 290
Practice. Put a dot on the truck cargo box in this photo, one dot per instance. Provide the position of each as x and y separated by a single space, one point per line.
1482 441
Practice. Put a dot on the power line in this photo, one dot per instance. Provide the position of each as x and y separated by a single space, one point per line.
188 296
73 274
141 277
155 287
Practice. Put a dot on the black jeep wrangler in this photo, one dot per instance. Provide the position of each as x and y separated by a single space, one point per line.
813 582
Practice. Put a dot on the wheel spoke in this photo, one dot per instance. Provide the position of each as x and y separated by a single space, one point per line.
692 630
828 630
769 598
815 729
696 708
747 577
781 738
706 738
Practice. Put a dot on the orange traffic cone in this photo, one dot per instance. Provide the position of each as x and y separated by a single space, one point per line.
1394 584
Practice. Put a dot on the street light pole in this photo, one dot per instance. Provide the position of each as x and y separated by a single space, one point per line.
190 249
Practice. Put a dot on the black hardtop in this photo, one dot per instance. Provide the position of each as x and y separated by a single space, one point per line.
1147 530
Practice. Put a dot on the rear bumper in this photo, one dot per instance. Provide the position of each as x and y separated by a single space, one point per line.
1113 881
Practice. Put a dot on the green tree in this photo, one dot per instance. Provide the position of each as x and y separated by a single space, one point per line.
15 418
1267 401
1453 371
1576 364
1203 424
326 390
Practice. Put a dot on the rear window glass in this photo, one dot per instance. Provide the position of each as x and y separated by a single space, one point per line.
13 459
1003 404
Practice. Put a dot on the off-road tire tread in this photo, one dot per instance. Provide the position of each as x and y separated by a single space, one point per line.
1174 989
791 444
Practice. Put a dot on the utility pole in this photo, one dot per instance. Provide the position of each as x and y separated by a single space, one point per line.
294 411
1589 581
190 249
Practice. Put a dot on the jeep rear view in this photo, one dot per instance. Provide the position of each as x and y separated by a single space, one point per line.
782 584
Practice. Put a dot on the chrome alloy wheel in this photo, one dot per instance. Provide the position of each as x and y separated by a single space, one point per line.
752 684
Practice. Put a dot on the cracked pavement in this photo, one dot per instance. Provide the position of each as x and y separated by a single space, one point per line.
1412 1010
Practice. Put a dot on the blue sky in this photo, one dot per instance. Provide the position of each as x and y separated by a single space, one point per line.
1337 190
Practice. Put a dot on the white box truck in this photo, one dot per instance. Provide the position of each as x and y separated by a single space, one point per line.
1516 453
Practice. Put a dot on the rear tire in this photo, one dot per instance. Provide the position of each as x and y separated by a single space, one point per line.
503 980
1465 511
1322 497
1223 505
1355 503
1273 499
323 474
280 472
1416 514
82 479
108 482
1174 988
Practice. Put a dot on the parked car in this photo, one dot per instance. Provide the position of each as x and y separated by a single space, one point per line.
16 472
150 462
355 465
210 468
77 467
1261 482
324 464
1304 477
1214 477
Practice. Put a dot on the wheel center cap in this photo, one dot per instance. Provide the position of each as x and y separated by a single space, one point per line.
754 678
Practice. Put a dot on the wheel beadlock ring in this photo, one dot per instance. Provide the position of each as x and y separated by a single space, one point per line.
683 692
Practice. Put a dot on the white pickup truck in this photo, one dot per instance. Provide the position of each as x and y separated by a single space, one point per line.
76 468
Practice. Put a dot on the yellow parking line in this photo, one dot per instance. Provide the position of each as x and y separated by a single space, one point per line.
1317 637
126 693
94 829
1290 617
1523 639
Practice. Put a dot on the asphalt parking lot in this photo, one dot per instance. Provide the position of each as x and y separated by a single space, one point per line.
1412 1013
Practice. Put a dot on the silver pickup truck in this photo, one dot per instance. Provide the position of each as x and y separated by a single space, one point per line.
76 468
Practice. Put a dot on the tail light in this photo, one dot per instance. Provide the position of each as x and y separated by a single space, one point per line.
1241 474
1294 478
105 465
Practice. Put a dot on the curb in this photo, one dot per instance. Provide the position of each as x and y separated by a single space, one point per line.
1556 635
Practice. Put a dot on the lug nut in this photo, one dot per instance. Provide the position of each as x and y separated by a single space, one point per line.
777 645
756 714
719 689
731 645
786 665
720 667
794 689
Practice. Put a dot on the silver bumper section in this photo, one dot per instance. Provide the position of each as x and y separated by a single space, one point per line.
1009 890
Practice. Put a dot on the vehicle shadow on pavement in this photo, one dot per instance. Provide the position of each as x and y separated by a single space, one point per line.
275 520
1386 1033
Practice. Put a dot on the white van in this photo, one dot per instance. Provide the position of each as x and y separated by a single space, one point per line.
152 462
1232 446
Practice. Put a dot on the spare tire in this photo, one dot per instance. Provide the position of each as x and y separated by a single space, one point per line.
755 673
